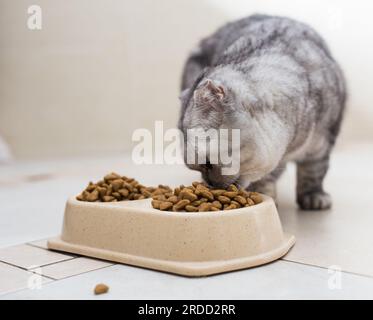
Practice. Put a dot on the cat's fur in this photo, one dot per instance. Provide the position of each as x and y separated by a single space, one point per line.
276 80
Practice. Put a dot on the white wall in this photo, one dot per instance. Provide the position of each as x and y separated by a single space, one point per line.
100 69
95 72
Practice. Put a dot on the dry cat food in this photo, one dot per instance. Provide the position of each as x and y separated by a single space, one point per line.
114 187
198 198
101 288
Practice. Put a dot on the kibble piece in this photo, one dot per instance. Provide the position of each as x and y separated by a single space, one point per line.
101 288
157 192
146 193
93 196
190 208
123 192
181 204
196 203
256 197
117 184
217 192
237 204
207 194
177 191
230 207
250 202
116 195
204 207
165 205
156 204
230 194
244 193
100 183
184 194
232 187
224 199
217 204
240 199
160 197
101 191
85 195
111 176
109 190
108 198
90 187
173 199
136 196
128 186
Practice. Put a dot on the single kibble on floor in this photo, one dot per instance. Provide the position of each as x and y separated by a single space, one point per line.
114 187
101 288
200 198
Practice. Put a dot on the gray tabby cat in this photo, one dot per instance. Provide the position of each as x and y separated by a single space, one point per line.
275 79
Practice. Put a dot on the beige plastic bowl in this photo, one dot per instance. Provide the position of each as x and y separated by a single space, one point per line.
186 243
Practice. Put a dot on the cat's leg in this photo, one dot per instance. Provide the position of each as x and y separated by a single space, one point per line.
267 185
310 176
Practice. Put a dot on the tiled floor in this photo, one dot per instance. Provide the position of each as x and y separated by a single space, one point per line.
13 278
340 238
72 267
29 257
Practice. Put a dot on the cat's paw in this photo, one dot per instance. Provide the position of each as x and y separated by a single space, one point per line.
317 200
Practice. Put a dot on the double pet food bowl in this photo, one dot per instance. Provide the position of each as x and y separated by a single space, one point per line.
185 243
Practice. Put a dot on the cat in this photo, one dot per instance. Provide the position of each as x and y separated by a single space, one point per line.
274 78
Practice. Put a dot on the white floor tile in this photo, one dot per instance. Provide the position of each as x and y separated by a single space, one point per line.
13 278
73 267
341 236
29 257
279 280
42 244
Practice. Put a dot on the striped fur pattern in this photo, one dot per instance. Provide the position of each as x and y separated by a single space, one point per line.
275 79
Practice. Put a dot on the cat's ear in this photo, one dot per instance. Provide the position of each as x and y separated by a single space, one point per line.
184 94
210 94
214 89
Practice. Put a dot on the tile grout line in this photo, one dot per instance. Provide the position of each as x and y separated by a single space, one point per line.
15 266
33 270
44 276
35 246
325 268
53 280
78 274
41 266
52 263
78 256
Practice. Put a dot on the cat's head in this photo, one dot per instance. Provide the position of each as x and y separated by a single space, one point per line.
212 106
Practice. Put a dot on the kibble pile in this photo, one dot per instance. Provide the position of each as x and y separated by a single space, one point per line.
198 198
114 187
